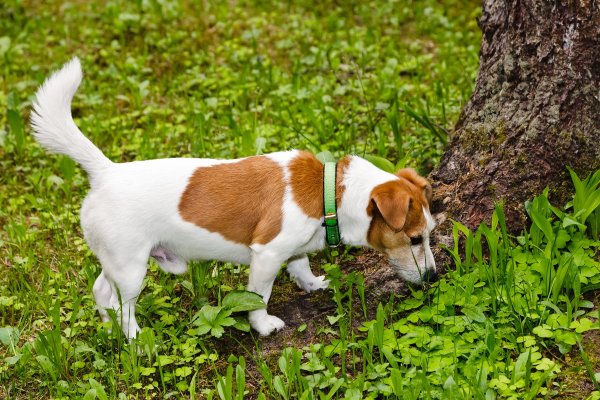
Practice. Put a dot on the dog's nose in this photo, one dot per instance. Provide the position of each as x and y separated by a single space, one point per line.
431 276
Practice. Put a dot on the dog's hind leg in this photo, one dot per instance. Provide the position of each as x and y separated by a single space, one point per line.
299 269
125 273
103 293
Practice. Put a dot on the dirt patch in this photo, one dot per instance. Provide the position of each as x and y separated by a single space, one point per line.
574 379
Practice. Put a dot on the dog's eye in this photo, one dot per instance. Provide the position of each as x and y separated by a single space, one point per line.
415 241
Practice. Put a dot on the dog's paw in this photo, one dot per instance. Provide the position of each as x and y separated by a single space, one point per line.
264 323
269 325
317 283
132 331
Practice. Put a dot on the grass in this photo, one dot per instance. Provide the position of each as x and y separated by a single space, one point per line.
210 79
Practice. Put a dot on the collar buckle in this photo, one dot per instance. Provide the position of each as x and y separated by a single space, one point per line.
331 219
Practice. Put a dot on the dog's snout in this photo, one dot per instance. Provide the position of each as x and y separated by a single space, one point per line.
431 276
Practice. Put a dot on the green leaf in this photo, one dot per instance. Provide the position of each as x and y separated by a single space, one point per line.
280 387
587 195
543 332
410 303
4 45
90 394
537 210
473 312
520 368
9 336
15 122
566 337
207 313
564 348
242 324
260 143
47 365
583 325
586 304
402 162
243 301
562 238
13 360
353 394
490 337
568 221
545 364
217 331
212 319
381 163
99 388
164 360
333 319
450 384
183 371
147 371
423 119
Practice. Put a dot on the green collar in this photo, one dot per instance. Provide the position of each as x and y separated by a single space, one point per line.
332 230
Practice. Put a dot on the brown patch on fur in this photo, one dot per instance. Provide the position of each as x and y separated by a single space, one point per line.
381 237
339 187
397 210
306 177
411 175
393 201
242 201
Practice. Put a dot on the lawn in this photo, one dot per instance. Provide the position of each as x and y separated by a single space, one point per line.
514 317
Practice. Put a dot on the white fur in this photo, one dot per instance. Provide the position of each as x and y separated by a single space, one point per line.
132 212
53 125
360 177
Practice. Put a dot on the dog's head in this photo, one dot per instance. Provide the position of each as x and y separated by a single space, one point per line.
401 225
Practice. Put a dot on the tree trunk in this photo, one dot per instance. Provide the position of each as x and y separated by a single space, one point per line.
535 110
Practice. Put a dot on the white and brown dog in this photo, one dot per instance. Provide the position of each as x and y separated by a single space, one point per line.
262 211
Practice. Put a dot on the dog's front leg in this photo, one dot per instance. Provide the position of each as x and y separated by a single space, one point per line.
264 267
299 269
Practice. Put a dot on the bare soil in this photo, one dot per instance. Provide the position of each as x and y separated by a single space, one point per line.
575 380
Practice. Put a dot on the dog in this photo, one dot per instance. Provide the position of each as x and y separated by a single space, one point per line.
263 211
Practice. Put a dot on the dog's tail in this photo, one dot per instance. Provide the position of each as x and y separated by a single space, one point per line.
53 125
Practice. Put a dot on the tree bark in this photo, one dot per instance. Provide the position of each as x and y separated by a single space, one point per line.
535 110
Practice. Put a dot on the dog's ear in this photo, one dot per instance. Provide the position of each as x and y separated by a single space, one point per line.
413 177
393 203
